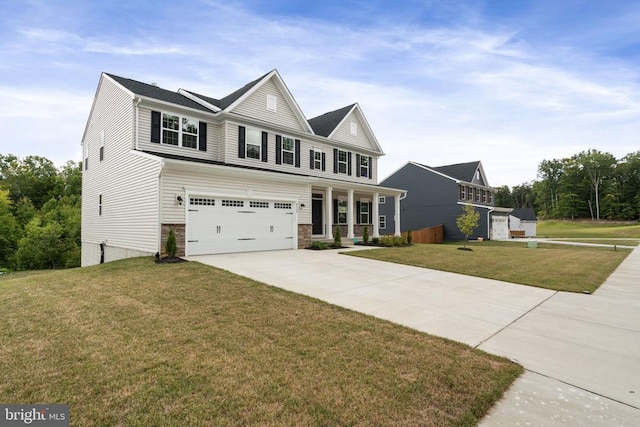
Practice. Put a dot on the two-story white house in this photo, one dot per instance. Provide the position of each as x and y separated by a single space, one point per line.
247 172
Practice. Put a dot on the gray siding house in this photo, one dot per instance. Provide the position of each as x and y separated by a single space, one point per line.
436 195
246 172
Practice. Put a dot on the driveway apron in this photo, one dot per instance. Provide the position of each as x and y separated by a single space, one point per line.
581 352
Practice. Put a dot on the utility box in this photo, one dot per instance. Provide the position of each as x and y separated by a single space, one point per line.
532 244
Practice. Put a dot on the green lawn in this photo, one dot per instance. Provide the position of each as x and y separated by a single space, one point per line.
559 267
136 343
585 228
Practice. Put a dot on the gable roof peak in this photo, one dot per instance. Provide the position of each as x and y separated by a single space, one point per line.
325 124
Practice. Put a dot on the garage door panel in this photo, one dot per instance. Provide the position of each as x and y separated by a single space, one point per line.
239 225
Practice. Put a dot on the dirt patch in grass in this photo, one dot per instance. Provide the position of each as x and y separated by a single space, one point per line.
138 343
558 267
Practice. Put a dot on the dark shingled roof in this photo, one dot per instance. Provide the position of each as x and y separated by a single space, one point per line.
155 92
525 214
233 97
460 171
325 124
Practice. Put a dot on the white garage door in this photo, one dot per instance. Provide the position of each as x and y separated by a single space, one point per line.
224 225
499 227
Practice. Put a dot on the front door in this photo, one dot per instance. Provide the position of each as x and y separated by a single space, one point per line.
316 216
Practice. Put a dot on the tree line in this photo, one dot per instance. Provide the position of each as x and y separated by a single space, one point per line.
39 213
591 184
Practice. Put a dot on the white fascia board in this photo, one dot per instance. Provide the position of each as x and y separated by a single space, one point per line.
173 107
484 177
200 101
147 155
95 98
476 205
346 185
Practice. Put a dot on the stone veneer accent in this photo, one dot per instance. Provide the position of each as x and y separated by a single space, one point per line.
178 229
357 231
305 231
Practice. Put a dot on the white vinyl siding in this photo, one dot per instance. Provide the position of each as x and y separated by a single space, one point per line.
178 179
128 183
343 132
255 106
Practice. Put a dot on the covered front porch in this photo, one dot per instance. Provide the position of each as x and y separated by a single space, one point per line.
351 207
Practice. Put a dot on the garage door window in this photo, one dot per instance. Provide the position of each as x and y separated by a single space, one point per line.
260 205
233 203
282 205
199 201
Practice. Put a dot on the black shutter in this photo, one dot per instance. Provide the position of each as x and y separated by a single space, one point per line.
155 126
323 162
202 135
311 159
358 213
297 153
349 163
370 163
241 142
265 139
101 153
335 211
358 165
278 150
335 160
370 212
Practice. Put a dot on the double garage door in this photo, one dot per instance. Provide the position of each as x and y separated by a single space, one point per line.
225 225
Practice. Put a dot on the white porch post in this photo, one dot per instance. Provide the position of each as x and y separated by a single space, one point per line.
376 215
396 218
328 205
350 215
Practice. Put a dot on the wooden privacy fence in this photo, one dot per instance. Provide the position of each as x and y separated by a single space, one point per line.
427 235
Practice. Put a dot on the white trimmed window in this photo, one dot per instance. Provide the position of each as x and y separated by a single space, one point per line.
462 194
317 159
288 150
102 145
353 129
272 103
179 131
382 200
253 143
364 213
100 205
364 166
342 161
382 221
342 211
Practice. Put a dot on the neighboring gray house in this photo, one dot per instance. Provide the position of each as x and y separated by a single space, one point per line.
247 172
436 195
523 220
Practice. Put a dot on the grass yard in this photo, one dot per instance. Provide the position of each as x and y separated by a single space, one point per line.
558 267
585 228
136 343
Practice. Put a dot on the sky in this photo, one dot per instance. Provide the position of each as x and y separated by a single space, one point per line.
510 83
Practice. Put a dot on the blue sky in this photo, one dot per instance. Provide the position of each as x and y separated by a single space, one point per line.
510 83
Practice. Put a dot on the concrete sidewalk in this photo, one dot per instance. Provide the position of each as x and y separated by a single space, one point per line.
581 352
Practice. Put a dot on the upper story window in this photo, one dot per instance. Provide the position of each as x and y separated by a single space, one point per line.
179 131
317 159
490 197
342 161
288 150
253 143
102 145
364 166
462 193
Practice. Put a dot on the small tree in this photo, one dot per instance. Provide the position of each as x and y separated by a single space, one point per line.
171 247
468 221
365 235
337 240
409 237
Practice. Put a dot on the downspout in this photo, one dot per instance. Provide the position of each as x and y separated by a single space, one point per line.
489 223
162 164
136 103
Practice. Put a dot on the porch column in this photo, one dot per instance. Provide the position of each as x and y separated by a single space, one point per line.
328 208
396 218
350 215
376 215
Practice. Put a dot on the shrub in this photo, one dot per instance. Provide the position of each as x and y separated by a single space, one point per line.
365 235
375 240
171 247
409 237
318 245
337 240
399 241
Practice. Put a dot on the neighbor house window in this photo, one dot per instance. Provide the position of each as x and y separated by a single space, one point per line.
462 195
364 213
253 143
382 200
364 166
342 211
288 147
490 197
342 161
484 196
382 221
179 131
470 193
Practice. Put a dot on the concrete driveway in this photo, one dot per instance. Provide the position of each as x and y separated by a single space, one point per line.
581 352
